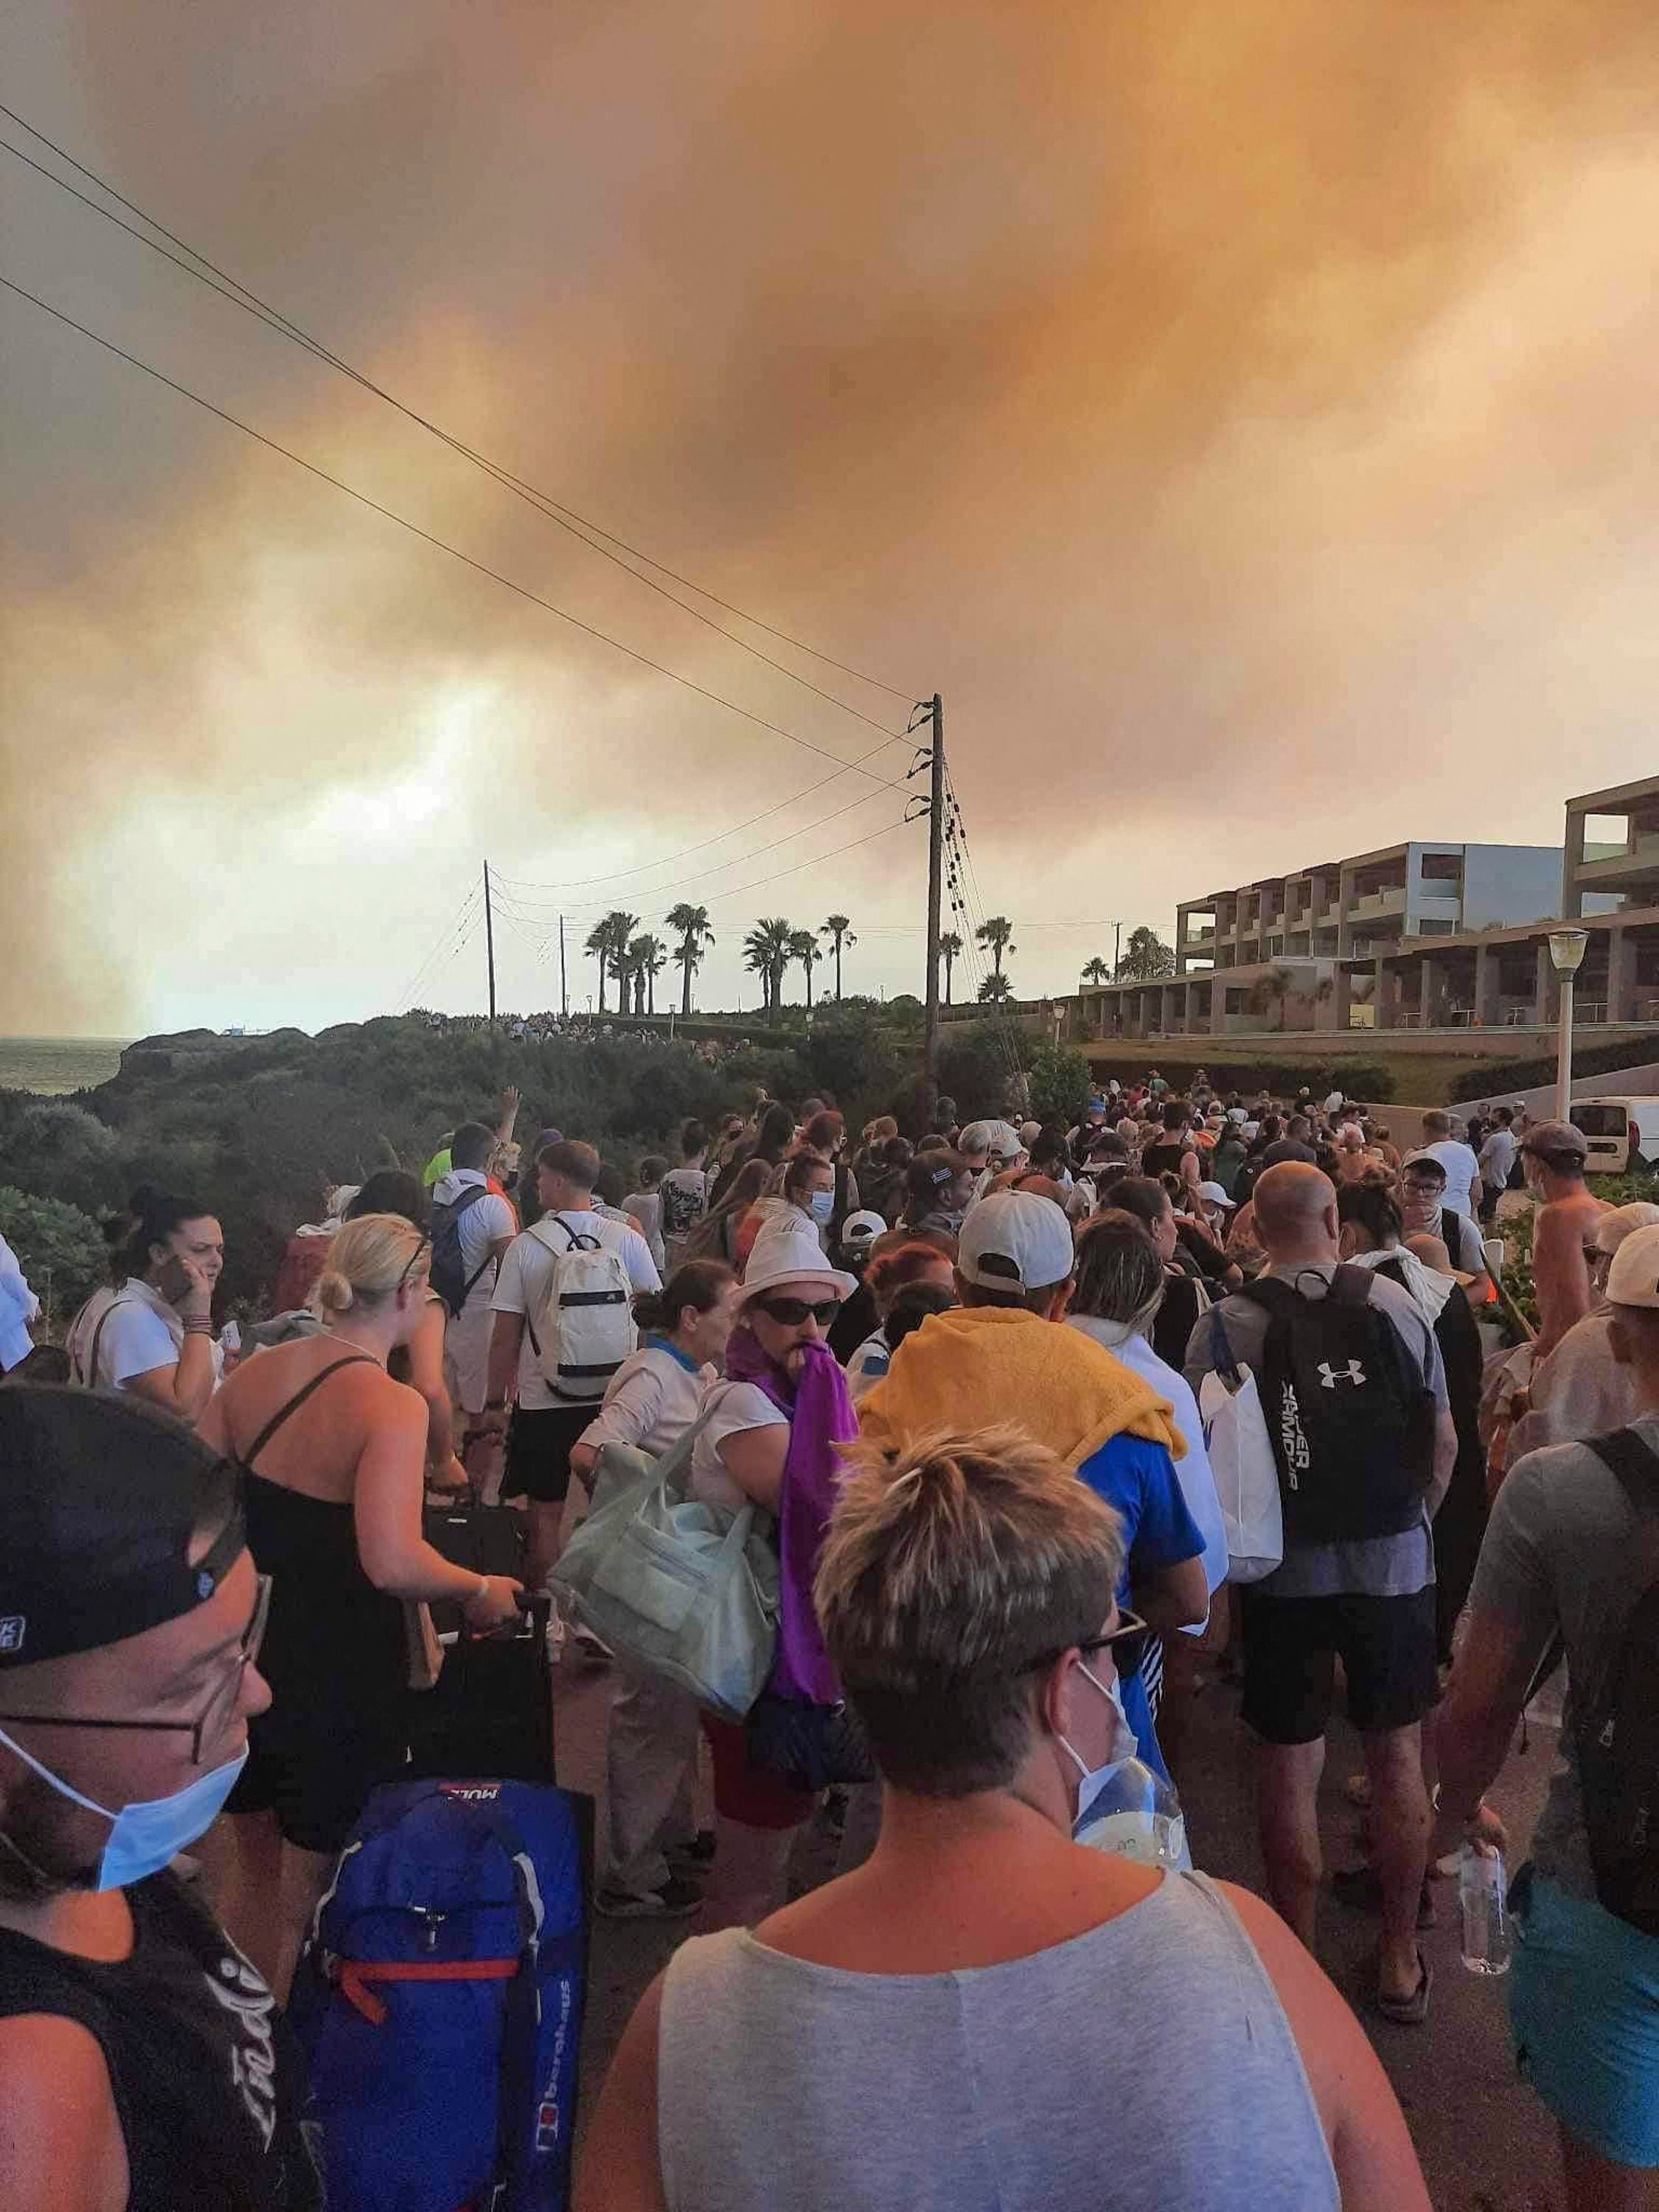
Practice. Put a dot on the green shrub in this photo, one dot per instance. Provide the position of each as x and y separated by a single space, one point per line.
1493 1076
59 1249
1061 1083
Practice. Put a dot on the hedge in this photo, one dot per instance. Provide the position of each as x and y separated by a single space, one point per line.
1606 1058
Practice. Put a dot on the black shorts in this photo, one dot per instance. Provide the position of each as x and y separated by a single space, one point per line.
316 1775
1291 1644
539 1442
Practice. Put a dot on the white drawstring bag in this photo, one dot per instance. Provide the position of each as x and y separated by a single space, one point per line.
1241 1455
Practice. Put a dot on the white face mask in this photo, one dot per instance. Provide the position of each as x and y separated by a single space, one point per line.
823 1206
1125 1745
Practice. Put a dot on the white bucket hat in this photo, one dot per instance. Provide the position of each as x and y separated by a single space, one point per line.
790 1255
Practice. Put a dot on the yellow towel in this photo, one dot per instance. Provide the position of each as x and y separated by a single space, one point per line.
977 1366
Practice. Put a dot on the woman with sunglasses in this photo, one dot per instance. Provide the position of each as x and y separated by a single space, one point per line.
334 1452
769 1433
983 2012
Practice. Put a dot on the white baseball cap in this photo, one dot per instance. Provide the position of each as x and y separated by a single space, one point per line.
1015 1240
1633 1277
1213 1195
865 1226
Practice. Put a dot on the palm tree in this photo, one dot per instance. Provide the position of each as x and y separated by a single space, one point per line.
768 949
616 929
838 928
598 944
949 947
1098 971
646 956
804 947
995 991
997 934
690 925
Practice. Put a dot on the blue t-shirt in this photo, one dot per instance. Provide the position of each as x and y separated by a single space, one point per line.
1138 1480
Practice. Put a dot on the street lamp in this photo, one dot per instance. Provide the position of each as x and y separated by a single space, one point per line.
1567 952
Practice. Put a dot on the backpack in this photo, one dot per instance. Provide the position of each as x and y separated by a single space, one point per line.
1353 1426
587 1315
449 1277
1617 1734
1241 1455
438 2000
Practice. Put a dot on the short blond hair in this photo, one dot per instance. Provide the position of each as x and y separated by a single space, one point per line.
952 1570
367 1260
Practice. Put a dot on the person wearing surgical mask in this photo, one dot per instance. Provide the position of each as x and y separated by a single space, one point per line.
806 1200
143 2060
1037 1991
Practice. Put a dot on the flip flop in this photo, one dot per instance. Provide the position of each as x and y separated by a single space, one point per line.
1412 2011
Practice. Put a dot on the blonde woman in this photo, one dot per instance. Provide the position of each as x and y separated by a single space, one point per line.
986 2011
334 1451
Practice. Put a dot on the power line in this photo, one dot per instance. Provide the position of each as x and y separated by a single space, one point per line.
584 882
590 533
465 924
482 567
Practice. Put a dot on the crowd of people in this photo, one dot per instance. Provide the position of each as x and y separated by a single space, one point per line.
954 1378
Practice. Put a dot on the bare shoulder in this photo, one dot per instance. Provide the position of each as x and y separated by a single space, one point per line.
620 2170
61 2144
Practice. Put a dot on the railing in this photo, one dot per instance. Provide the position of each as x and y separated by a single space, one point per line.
1590 1011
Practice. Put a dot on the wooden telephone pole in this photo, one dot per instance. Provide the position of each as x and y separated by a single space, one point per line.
489 944
935 894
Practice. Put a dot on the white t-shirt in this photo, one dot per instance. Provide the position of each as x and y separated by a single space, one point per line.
1462 1169
651 1400
18 1307
1498 1158
526 1272
645 1208
731 1406
684 1195
487 1221
142 1332
82 1331
868 1365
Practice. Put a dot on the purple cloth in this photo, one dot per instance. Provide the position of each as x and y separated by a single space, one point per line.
821 1416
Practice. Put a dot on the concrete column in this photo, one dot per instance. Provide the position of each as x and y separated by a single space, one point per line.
1486 968
1572 859
1619 995
1427 979
1383 996
1219 1007
1543 1011
1344 901
1341 998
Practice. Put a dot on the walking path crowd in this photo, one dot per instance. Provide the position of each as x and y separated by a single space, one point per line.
988 1400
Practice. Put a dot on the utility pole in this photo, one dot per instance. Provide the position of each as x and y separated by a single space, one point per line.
935 891
1117 947
564 994
489 944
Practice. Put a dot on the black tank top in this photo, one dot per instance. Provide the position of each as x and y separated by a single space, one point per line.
334 1643
205 2081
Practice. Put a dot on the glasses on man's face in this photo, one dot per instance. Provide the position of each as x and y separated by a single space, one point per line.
209 1725
1126 1643
794 1313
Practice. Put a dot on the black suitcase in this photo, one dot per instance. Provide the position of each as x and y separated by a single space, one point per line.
491 1713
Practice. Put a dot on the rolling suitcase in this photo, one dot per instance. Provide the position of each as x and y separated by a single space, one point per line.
491 1711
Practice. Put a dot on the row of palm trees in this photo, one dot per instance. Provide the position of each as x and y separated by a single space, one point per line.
633 958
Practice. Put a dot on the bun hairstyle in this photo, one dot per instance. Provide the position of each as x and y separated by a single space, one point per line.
155 1214
699 1283
900 1265
390 1190
368 1259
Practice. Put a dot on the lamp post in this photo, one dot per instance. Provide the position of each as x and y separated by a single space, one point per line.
1567 953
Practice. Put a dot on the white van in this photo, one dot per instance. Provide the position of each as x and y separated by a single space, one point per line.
1622 1133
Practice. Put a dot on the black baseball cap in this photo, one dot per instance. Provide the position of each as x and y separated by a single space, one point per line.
100 1500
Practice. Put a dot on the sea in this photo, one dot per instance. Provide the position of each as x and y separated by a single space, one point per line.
55 1066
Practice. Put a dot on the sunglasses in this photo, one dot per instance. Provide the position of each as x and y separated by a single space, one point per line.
210 1724
792 1313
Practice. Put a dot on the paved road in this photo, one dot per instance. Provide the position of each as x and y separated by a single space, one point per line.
1483 2137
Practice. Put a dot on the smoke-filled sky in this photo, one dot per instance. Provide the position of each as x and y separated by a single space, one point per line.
1243 413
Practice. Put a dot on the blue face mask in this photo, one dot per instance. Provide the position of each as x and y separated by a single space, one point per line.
823 1206
146 1836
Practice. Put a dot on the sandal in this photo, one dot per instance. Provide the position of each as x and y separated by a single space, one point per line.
1412 2011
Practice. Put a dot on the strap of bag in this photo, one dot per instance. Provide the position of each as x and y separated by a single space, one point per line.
1634 1462
98 1338
678 1454
1221 1352
293 1404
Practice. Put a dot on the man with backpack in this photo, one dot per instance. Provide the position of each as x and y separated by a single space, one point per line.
563 1324
472 1228
1571 1562
1354 1394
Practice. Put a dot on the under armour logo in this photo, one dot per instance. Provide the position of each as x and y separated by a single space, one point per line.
1329 1377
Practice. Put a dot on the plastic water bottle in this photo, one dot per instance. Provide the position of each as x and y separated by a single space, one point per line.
1484 1895
1136 1813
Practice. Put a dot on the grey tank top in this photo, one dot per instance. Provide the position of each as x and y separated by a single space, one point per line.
1146 2066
